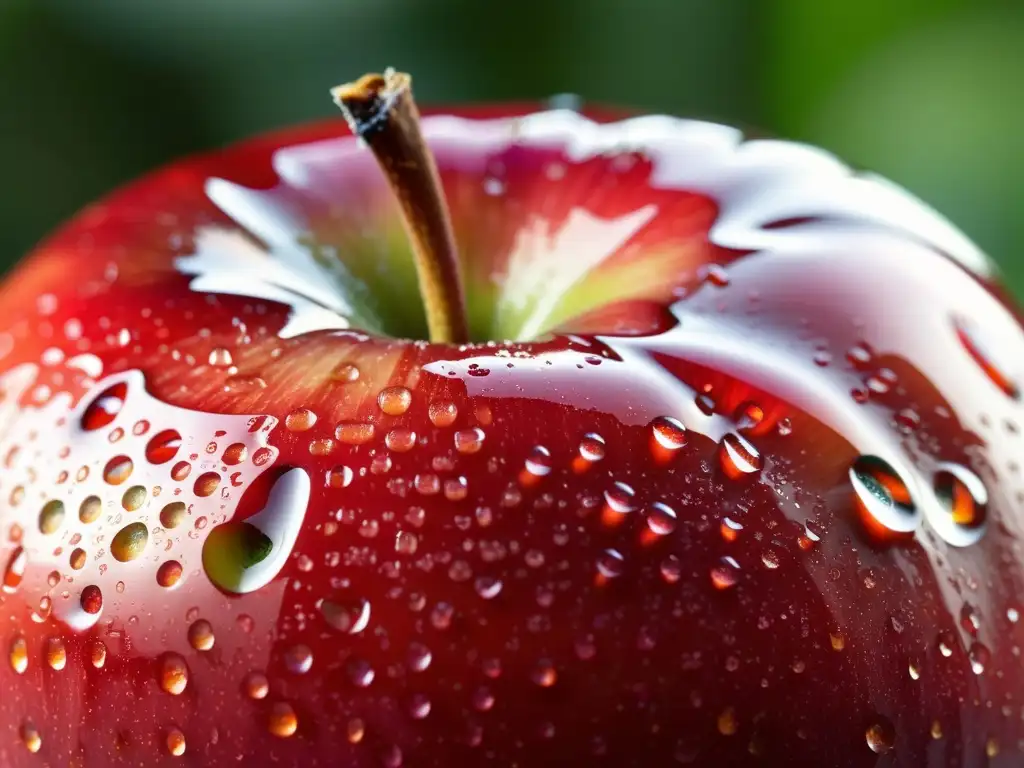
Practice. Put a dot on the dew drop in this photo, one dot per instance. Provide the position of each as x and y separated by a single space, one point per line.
18 655
345 373
91 600
669 433
538 463
340 477
298 659
488 587
469 441
661 519
105 408
31 737
611 563
51 517
400 440
964 499
300 420
206 484
173 515
169 574
354 433
133 498
394 401
14 571
257 686
282 721
175 740
738 457
97 654
234 454
725 574
883 499
442 413
880 736
980 657
117 470
419 657
90 509
173 674
350 616
129 542
163 446
621 498
592 447
56 654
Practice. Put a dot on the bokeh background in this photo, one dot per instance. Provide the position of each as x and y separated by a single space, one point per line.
927 92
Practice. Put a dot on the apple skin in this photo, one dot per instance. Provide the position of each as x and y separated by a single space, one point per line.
748 494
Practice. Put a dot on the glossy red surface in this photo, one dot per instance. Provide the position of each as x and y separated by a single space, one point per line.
752 497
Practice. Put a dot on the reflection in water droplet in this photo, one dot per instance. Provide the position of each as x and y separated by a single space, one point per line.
298 659
980 658
91 599
442 413
257 686
538 463
592 447
105 408
18 655
172 515
242 556
726 573
610 563
175 740
56 653
169 574
300 420
964 499
468 441
882 498
621 498
117 470
90 509
31 737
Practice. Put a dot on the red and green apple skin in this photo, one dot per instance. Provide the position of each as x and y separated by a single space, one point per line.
732 475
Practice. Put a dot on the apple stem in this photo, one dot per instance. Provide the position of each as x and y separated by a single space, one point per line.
381 110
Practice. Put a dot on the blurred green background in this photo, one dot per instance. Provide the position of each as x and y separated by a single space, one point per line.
927 92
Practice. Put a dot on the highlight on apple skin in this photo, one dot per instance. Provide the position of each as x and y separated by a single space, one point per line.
725 469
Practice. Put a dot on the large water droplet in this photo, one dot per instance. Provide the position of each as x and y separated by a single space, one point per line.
242 556
880 735
172 674
738 457
964 499
350 615
394 401
882 497
129 542
105 408
163 446
669 433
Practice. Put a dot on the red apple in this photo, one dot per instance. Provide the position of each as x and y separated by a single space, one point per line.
728 473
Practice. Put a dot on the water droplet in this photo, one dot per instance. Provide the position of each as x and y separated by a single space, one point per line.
442 413
206 484
354 434
105 408
173 674
234 454
394 401
400 440
881 736
726 573
946 644
980 657
592 447
18 655
340 477
738 457
419 657
538 463
242 556
56 653
31 737
133 498
163 446
77 559
257 686
621 498
406 543
169 574
544 673
469 441
282 721
669 433
51 517
91 599
90 509
345 373
175 738
661 519
300 420
727 724
964 499
488 587
298 659
129 542
97 654
173 514
360 673
883 499
346 615
117 470
611 563
355 729
14 571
